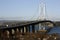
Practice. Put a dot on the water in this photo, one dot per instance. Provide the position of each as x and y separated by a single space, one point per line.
55 30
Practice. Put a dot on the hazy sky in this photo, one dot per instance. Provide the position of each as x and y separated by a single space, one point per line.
28 8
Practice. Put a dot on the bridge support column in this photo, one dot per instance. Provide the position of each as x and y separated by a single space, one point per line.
27 29
33 28
30 28
19 29
24 29
5 35
39 26
12 32
17 34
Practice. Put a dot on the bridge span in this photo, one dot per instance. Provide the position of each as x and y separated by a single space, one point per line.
8 25
12 30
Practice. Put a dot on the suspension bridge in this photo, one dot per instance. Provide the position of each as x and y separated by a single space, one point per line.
13 30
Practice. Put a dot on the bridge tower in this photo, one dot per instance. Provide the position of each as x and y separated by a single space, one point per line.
42 10
42 14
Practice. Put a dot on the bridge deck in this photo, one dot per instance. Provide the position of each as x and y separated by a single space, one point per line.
3 25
